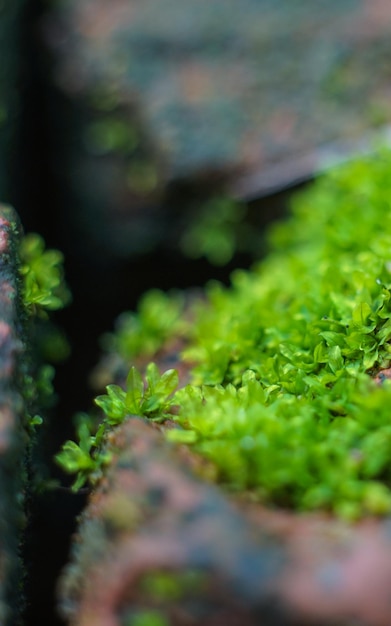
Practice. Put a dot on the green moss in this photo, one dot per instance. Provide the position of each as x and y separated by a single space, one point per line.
111 135
142 176
282 399
158 317
145 617
166 586
152 399
217 231
85 458
44 287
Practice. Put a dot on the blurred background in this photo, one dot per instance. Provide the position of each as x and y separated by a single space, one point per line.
153 141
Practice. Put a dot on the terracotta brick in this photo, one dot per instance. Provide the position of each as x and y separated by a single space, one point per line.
153 518
13 435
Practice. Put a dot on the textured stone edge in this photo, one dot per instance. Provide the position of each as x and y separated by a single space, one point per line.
13 435
154 512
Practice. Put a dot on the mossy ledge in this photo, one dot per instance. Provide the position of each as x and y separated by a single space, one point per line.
286 390
282 402
13 431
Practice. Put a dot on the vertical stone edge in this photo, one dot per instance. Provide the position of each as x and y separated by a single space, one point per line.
151 517
10 18
13 432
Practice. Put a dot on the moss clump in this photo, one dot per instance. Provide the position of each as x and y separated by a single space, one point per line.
282 399
152 399
217 231
43 290
44 287
158 317
145 617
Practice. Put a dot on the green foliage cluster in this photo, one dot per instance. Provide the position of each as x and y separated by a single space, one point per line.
44 287
158 317
38 393
152 399
327 450
217 231
166 586
87 457
282 399
161 589
145 617
284 403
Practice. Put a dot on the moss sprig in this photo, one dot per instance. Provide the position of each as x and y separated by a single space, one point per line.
145 331
43 290
151 398
44 287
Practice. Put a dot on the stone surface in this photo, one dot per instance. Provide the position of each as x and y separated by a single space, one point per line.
228 84
13 436
159 541
242 95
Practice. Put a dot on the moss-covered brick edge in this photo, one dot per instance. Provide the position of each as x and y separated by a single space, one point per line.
13 434
158 543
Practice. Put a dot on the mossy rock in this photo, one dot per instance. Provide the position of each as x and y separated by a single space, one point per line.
13 431
159 545
30 282
281 420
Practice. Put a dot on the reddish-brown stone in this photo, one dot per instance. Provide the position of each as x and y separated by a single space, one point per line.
242 97
239 86
154 513
13 436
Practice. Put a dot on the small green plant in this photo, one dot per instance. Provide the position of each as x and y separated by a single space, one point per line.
44 287
167 587
158 317
152 399
87 457
38 392
328 449
146 617
217 231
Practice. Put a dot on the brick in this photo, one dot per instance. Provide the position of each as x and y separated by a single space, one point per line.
157 539
13 434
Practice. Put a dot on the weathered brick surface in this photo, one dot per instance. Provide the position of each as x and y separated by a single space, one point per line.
225 84
13 437
152 516
246 94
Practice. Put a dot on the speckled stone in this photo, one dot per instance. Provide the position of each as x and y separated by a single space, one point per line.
153 515
244 96
13 436
230 83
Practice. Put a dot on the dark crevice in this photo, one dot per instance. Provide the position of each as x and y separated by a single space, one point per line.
37 198
102 288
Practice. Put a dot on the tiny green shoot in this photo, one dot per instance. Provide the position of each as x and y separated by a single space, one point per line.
152 398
